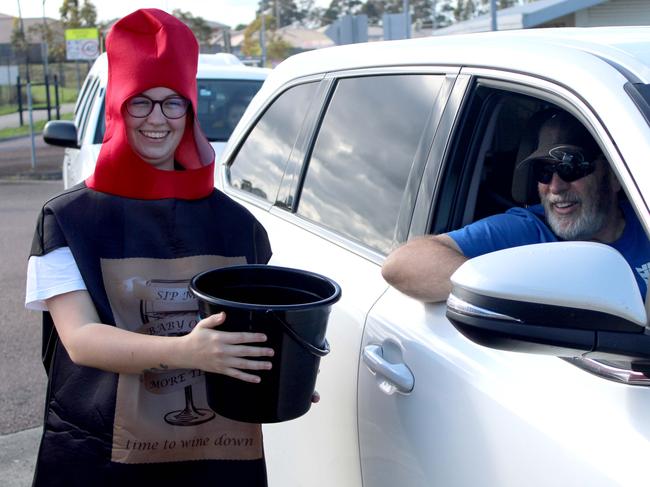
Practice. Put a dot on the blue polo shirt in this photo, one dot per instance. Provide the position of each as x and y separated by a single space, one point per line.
524 226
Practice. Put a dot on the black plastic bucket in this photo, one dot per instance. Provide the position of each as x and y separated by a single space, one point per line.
291 307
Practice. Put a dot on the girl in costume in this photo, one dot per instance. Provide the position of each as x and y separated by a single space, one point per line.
110 266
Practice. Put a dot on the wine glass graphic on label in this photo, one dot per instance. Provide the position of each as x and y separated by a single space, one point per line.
167 308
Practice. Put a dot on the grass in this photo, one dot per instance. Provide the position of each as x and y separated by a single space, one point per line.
71 74
24 130
7 109
66 95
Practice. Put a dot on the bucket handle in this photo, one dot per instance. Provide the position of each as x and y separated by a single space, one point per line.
319 352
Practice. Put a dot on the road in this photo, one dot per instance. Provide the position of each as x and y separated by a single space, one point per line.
13 119
22 378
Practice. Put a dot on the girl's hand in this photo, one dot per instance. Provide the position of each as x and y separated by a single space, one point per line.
224 352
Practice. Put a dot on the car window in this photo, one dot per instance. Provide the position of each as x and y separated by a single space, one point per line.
221 103
363 154
259 165
101 119
492 135
82 98
85 109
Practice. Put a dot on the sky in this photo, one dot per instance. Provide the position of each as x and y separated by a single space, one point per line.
229 12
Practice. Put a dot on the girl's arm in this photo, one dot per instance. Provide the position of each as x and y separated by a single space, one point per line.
93 344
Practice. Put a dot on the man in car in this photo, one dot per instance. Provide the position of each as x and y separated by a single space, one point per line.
580 200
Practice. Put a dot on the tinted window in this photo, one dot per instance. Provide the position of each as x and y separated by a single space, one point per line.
260 163
221 103
363 155
81 119
101 122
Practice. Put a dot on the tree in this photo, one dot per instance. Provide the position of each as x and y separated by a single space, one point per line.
286 12
251 44
74 17
198 25
338 8
88 14
18 38
311 16
54 39
278 49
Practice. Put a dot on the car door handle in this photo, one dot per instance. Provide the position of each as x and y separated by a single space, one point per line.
397 374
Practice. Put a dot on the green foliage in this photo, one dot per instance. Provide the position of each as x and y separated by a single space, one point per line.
278 49
18 38
73 17
54 39
251 44
88 14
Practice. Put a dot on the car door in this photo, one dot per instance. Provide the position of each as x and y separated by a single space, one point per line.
340 204
441 410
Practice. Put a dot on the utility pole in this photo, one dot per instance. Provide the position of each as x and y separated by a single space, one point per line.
28 87
44 46
263 32
493 14
407 19
433 16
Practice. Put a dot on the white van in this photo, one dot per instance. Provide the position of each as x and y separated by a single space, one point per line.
225 87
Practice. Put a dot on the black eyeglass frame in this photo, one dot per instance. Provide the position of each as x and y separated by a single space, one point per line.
568 162
159 102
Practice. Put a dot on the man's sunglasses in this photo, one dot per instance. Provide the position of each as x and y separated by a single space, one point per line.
569 163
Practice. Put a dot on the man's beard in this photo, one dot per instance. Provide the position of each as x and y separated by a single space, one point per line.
590 218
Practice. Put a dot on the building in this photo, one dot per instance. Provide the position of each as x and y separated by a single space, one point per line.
559 13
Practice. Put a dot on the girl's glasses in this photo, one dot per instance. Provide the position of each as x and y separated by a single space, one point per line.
172 107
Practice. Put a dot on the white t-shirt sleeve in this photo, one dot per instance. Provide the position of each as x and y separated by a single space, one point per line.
50 275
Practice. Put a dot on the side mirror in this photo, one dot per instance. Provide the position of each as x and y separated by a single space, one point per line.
567 299
62 133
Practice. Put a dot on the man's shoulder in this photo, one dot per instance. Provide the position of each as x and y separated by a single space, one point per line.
533 211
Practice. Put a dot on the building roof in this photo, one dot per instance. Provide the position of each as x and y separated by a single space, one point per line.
305 39
299 37
521 16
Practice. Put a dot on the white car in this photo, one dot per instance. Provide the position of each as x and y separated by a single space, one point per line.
225 87
347 152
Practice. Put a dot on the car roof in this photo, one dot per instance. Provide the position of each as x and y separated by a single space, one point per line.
534 51
210 66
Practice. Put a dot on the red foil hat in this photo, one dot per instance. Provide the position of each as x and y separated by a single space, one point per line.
147 49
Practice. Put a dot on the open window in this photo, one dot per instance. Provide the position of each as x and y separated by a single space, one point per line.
497 130
576 300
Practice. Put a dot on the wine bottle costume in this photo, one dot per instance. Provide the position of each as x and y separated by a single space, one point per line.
137 235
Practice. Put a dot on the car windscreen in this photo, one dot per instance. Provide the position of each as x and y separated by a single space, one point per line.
222 103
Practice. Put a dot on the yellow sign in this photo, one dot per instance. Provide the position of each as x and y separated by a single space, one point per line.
81 34
82 44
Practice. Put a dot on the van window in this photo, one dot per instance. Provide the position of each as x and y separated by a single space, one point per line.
259 165
221 103
85 108
363 153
